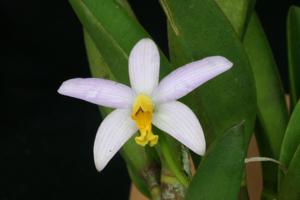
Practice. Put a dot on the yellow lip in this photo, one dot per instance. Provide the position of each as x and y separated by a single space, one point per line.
142 111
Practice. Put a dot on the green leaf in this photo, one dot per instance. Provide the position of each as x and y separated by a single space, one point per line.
114 31
291 139
238 13
220 172
289 189
293 35
230 97
272 111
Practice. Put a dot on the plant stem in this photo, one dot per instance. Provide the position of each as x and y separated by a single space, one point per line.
171 188
150 175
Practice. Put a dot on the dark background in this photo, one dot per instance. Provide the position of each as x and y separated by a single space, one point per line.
46 140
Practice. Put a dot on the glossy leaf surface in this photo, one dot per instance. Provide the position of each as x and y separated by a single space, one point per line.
220 172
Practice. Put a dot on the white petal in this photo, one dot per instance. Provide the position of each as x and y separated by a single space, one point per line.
144 66
188 77
180 122
99 91
113 132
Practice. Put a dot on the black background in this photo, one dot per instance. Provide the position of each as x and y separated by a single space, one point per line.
46 140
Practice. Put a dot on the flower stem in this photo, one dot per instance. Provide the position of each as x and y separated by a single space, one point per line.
155 193
171 188
150 175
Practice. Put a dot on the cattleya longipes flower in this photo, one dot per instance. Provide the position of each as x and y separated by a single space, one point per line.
147 102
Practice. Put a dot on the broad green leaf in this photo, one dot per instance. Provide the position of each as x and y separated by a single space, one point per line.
230 97
293 35
238 13
220 172
291 139
114 31
272 112
289 188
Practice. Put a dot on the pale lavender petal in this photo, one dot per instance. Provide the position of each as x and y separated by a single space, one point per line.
188 77
113 132
144 66
98 91
180 122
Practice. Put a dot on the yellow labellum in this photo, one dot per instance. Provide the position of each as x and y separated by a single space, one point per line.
142 115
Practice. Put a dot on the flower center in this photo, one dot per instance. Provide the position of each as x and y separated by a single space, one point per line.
142 115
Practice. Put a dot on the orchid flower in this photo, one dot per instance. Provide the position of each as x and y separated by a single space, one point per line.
147 102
